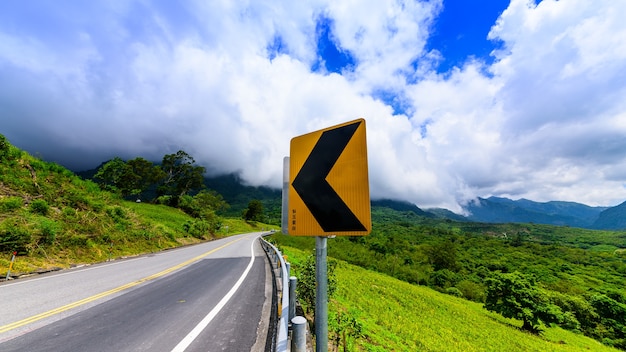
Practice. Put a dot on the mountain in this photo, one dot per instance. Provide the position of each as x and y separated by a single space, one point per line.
442 213
613 218
490 210
500 210
401 206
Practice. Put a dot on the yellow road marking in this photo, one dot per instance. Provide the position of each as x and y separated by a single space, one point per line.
81 302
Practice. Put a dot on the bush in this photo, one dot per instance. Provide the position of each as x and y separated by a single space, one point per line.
11 203
472 290
4 147
14 237
197 228
453 291
39 206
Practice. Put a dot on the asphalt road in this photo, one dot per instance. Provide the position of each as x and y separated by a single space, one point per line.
209 297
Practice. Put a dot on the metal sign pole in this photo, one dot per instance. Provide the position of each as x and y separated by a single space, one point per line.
321 295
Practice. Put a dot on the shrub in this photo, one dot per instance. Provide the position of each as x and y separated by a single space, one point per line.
453 291
197 228
117 213
49 230
4 147
472 290
39 206
11 203
14 237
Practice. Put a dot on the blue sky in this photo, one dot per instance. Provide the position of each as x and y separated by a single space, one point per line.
461 98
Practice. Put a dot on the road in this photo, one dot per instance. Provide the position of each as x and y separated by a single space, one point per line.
209 297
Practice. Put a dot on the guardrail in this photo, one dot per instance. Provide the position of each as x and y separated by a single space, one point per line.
282 340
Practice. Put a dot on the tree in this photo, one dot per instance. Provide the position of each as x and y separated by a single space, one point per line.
141 174
129 178
110 174
443 256
180 175
516 296
211 200
254 212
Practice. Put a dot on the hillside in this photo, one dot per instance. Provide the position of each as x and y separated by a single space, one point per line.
612 218
54 219
574 269
396 316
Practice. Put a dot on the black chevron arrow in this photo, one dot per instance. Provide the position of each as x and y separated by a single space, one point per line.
331 213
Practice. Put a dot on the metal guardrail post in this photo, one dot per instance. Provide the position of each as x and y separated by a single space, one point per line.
293 281
283 327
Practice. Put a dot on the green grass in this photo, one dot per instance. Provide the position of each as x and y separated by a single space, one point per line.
147 227
398 316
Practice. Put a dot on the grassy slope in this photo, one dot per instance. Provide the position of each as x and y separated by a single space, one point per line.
164 223
54 219
397 316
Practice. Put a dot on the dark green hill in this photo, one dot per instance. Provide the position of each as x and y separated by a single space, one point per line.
401 206
612 218
503 210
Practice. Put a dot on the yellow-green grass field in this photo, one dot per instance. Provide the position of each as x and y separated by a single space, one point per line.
398 316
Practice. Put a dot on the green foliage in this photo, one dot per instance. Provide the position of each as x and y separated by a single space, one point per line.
612 324
4 147
343 326
453 291
132 177
203 205
396 316
9 204
442 255
516 296
197 228
307 281
254 212
15 236
49 229
569 265
181 175
39 206
111 173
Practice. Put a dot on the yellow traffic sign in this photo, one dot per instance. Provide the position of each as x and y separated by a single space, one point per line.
328 182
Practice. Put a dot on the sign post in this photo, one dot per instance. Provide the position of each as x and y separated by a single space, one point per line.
328 195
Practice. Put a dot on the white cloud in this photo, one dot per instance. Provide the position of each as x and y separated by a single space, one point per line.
544 122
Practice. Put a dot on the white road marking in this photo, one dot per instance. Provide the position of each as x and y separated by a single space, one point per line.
184 343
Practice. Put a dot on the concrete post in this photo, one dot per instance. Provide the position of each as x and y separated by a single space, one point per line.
298 339
321 295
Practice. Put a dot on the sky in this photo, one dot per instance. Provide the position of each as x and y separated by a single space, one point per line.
518 99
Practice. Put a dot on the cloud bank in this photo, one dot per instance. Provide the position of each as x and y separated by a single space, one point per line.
232 83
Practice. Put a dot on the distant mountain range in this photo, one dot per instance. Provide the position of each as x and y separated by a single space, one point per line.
503 210
492 209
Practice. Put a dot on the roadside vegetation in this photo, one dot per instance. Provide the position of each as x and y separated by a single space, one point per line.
539 275
52 218
387 314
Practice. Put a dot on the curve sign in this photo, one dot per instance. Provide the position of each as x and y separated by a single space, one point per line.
329 185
